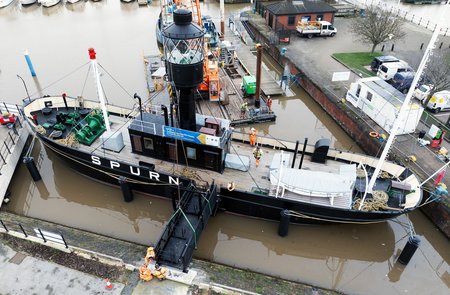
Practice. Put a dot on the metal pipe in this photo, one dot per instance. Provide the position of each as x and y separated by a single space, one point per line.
171 114
140 104
259 49
166 117
303 153
295 153
65 100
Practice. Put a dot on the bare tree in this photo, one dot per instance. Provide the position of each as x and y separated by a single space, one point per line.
437 73
377 27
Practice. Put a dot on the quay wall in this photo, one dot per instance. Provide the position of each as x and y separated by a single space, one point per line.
357 129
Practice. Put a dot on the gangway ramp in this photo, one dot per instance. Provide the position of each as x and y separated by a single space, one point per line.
180 238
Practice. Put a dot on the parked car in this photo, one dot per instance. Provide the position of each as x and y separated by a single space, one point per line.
388 70
402 81
422 92
379 60
439 101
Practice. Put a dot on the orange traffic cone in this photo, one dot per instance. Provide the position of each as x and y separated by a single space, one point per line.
109 286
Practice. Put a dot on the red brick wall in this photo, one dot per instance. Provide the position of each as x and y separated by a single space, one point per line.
283 19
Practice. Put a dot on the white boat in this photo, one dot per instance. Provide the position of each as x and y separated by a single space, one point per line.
27 2
4 3
49 3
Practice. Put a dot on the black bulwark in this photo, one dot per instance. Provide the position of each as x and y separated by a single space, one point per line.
148 139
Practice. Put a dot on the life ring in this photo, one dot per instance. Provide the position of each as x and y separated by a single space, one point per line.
373 134
231 186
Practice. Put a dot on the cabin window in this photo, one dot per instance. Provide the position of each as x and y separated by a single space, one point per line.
191 153
148 143
172 151
369 96
358 90
291 20
137 144
319 17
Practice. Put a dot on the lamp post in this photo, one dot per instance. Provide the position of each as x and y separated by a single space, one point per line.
25 85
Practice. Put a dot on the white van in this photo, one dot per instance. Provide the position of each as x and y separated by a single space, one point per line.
439 101
387 70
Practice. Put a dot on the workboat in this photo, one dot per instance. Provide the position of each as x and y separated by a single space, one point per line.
4 3
27 2
165 151
49 3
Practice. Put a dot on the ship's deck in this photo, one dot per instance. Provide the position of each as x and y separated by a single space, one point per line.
256 179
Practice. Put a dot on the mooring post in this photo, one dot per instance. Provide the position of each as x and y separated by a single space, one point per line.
29 63
283 227
31 166
409 250
126 189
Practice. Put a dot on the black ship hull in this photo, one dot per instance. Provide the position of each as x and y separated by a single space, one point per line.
237 202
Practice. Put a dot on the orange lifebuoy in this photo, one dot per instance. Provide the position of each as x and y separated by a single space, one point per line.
373 134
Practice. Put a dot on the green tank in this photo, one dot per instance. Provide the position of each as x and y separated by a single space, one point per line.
249 85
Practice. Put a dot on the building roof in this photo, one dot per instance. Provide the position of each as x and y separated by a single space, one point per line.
295 7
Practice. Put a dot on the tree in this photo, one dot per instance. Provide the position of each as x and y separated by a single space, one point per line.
437 73
377 27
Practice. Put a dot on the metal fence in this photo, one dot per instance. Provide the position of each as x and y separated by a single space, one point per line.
12 135
421 21
17 229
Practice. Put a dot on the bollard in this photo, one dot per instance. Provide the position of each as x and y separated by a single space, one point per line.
30 64
126 189
283 227
31 166
440 46
392 48
382 48
421 46
409 250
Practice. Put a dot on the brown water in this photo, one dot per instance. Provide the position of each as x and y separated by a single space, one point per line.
350 258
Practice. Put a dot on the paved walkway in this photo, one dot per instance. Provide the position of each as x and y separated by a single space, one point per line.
22 274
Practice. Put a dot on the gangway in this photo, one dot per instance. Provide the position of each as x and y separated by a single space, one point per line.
180 238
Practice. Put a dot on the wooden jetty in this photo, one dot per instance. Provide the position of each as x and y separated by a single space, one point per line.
229 106
247 59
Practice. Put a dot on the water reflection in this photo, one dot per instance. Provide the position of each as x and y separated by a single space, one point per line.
66 197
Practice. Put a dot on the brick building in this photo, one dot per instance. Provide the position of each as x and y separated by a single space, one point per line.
285 15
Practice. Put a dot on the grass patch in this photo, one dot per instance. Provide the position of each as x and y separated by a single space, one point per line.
357 60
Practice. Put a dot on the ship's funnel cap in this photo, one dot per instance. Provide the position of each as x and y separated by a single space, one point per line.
182 16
